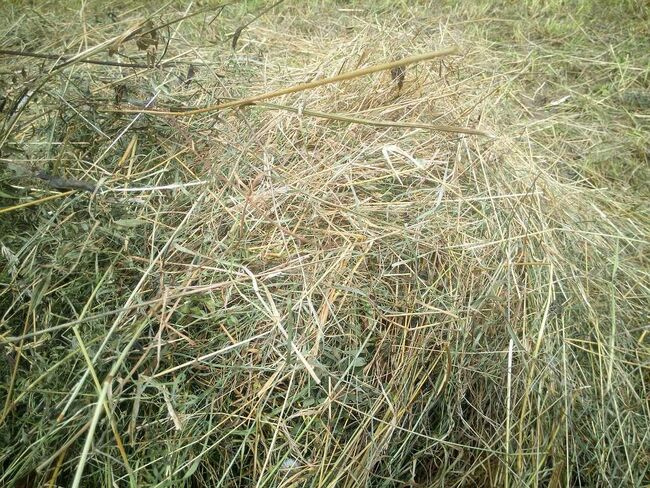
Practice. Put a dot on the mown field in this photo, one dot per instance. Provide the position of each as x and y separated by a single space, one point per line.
434 274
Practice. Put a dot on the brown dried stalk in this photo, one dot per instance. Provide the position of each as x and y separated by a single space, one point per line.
303 86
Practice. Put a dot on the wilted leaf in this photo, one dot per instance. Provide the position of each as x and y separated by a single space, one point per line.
191 71
398 74
148 38
129 223
559 101
235 36
120 92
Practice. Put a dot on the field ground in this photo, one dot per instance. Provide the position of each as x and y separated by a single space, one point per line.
433 275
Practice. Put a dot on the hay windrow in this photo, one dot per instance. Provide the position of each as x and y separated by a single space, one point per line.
264 296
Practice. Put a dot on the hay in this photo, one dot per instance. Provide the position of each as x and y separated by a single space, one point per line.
278 295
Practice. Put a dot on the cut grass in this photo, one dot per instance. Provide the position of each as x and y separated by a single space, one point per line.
271 297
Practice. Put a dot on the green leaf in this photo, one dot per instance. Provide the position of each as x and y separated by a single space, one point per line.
8 196
192 468
358 362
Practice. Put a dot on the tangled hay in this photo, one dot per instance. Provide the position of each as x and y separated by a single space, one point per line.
277 295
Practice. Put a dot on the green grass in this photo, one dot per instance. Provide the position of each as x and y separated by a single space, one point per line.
263 297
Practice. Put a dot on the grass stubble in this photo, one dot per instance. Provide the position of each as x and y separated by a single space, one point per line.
324 289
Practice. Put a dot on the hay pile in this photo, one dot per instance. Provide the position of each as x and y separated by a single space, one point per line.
269 296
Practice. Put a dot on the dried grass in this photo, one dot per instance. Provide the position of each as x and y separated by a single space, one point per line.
261 296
